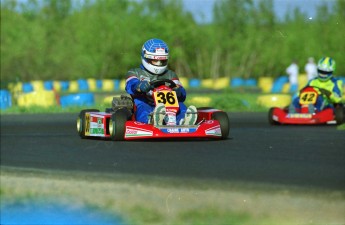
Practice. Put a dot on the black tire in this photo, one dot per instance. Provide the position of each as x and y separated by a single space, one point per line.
223 119
204 108
81 122
339 115
117 124
270 117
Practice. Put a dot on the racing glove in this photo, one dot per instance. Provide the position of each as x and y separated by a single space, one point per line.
143 86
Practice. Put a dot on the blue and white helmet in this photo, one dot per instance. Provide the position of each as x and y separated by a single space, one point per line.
155 55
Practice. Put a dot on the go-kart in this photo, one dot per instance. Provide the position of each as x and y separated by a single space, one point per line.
308 115
118 122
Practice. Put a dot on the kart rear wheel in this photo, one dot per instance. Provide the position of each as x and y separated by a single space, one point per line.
339 115
223 119
81 121
270 117
117 124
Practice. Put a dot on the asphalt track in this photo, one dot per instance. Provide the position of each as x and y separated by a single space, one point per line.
306 156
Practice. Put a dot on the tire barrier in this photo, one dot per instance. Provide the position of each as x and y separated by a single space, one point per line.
265 84
237 82
302 81
79 99
41 98
194 83
279 83
250 82
274 100
207 83
27 88
48 85
221 83
5 99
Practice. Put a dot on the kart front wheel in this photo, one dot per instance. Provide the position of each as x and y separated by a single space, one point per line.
224 122
117 124
270 117
82 121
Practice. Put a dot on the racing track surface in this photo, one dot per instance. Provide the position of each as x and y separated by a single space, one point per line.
308 156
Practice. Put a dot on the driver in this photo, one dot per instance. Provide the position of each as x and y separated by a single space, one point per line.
154 66
330 86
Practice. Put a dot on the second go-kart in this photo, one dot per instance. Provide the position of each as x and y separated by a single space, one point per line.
118 122
308 115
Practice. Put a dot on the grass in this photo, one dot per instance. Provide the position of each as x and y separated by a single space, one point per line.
158 200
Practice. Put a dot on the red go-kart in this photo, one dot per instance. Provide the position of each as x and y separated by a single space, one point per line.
308 115
118 123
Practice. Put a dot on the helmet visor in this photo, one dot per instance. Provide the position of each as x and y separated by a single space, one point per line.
324 75
156 62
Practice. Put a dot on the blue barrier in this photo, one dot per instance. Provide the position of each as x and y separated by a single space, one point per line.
99 84
79 99
64 85
48 85
116 84
194 83
279 83
5 99
27 87
237 82
250 82
83 85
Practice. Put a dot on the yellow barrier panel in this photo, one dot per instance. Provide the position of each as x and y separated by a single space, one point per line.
37 98
274 100
122 84
92 83
302 81
221 83
73 86
207 83
57 86
108 85
15 87
286 88
185 82
37 85
200 101
265 84
108 100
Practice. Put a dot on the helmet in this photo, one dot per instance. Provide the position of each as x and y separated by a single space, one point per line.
325 68
154 56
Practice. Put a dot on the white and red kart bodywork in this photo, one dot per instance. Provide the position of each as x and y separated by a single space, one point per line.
307 99
97 125
119 123
282 116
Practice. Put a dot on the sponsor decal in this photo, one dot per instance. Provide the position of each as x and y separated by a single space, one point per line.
95 131
300 115
176 130
139 123
160 50
214 131
137 132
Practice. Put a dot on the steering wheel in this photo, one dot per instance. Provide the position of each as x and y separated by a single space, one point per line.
323 91
166 82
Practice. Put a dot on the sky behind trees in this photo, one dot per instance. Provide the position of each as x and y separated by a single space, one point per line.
202 9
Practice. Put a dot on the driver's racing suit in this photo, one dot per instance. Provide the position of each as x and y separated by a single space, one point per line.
333 86
144 101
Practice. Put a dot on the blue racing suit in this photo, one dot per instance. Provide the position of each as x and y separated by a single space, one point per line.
144 101
333 85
